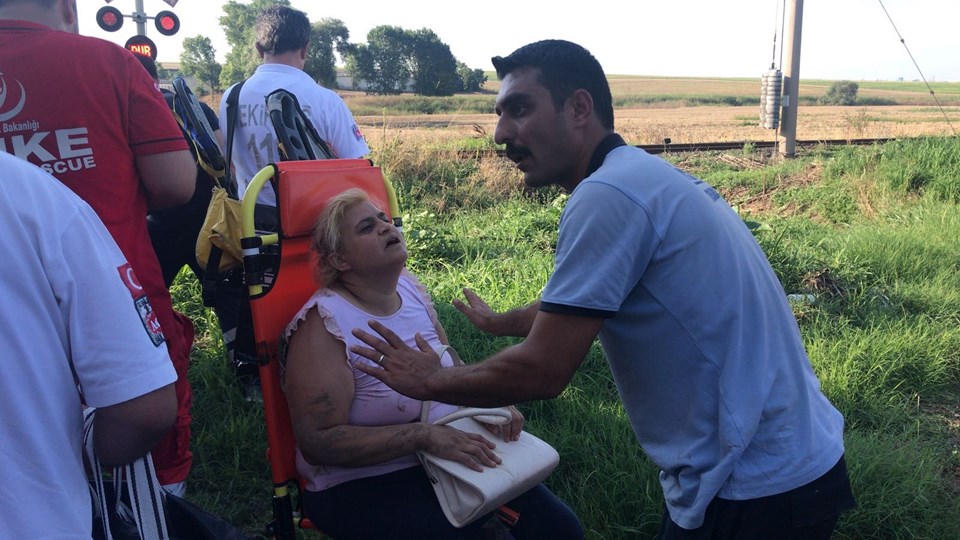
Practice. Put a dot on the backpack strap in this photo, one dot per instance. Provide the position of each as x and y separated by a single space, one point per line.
212 278
232 99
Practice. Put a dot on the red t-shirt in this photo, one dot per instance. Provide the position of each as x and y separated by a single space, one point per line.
82 108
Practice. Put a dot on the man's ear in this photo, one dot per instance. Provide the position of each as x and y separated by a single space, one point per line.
68 14
581 103
259 50
303 51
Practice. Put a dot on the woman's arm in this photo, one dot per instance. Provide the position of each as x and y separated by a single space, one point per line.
319 389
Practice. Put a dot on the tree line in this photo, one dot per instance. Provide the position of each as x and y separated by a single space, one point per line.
392 60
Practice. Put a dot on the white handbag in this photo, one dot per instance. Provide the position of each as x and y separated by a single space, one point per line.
466 495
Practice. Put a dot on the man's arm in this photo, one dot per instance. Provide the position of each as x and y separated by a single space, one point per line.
516 322
214 122
538 368
128 430
169 177
120 368
162 156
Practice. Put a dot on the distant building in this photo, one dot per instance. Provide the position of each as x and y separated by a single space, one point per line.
174 68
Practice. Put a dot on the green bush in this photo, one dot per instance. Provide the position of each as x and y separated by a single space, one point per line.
841 93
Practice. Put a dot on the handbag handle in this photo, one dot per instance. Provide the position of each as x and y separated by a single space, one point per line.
140 479
497 416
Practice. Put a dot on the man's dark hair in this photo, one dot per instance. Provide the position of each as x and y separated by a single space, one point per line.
564 68
149 65
281 29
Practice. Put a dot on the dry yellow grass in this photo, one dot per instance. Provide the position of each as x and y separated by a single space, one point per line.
708 124
693 124
652 124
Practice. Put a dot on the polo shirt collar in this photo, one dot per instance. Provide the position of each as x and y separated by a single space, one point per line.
608 143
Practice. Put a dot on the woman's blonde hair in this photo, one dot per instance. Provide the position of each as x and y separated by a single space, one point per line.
327 237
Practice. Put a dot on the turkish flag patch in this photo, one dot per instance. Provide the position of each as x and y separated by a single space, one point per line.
147 315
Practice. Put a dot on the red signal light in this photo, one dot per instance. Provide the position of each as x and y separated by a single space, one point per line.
109 18
167 23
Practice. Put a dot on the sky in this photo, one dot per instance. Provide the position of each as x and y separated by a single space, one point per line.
841 39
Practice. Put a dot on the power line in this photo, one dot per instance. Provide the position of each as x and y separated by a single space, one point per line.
773 56
781 15
783 23
932 93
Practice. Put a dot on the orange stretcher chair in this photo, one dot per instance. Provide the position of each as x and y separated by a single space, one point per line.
302 189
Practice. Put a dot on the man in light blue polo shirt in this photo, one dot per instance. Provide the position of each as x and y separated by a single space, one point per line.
695 325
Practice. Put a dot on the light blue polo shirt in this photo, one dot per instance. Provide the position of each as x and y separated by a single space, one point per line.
701 341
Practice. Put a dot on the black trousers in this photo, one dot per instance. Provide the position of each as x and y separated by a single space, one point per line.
402 506
809 512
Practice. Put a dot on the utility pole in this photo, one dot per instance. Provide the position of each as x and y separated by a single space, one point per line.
791 81
140 17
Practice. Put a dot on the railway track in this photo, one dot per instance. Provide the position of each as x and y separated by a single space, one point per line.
739 145
710 146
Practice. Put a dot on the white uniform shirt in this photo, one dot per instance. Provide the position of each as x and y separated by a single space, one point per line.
68 310
254 139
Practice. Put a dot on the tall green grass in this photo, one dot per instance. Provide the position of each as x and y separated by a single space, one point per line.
879 253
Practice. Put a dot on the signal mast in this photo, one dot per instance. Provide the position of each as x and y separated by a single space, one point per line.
166 22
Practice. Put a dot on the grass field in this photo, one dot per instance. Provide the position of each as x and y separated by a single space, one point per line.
871 232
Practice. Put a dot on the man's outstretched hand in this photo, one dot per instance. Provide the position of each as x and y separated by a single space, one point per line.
399 366
478 312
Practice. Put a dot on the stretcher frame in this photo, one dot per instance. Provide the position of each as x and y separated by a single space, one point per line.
302 189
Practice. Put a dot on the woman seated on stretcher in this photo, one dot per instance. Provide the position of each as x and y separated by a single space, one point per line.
356 437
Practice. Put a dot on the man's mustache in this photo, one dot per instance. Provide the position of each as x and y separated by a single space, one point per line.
516 151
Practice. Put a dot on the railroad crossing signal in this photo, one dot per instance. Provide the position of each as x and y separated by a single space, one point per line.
109 18
167 23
